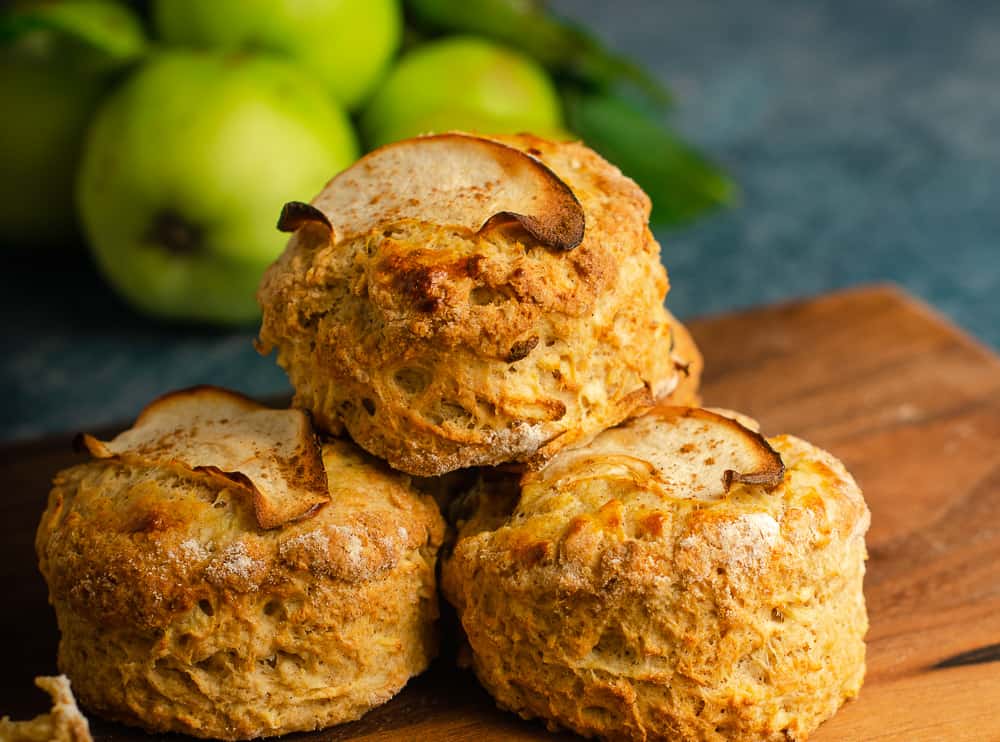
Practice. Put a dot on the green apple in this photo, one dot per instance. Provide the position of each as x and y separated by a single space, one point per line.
464 83
56 61
348 43
185 171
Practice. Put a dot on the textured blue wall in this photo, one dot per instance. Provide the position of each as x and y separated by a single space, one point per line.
865 136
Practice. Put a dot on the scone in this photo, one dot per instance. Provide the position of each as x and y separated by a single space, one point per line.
206 581
455 301
680 578
689 364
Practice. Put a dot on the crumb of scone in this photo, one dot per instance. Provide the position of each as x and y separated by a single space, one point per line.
64 723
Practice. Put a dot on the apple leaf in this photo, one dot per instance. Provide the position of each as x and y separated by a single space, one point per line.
565 48
682 183
108 27
614 104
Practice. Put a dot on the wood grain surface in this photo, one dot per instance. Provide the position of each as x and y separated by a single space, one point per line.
910 404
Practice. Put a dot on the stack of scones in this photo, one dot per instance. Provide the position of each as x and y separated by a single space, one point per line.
623 563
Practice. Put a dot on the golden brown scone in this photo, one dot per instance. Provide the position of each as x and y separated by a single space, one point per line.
438 344
64 723
180 612
624 593
689 364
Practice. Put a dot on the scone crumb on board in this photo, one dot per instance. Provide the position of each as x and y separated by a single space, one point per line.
64 723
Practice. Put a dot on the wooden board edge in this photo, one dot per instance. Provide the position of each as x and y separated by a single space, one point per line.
887 290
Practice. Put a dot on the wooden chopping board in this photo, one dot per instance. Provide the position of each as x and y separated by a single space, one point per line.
912 406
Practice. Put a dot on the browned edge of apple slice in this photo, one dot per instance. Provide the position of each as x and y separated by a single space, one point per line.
271 454
296 214
453 180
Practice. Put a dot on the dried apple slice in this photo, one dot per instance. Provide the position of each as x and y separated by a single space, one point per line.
745 420
453 180
693 452
273 455
295 215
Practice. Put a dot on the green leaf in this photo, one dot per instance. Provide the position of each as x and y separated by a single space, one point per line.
561 46
108 27
682 183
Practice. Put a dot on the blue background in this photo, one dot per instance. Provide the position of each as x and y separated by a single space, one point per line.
865 137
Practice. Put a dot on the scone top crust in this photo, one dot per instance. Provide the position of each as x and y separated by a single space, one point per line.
649 491
135 544
439 346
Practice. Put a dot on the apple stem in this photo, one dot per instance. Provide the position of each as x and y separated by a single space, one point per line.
173 233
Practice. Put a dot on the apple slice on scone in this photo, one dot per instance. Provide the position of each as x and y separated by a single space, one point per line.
690 452
272 455
454 179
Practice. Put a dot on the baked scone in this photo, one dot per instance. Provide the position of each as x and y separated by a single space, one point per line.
64 723
455 301
673 580
179 611
689 364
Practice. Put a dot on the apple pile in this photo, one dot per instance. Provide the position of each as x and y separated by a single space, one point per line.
171 132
